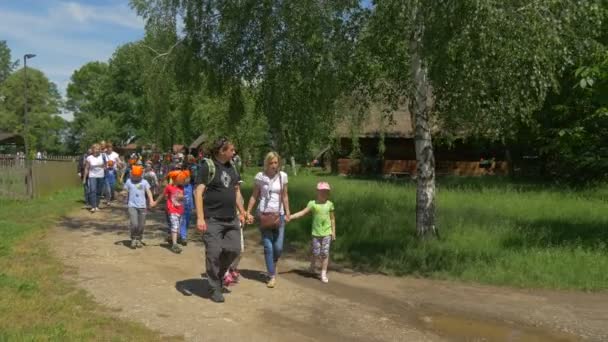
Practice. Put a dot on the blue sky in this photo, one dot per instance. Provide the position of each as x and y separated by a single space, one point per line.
67 34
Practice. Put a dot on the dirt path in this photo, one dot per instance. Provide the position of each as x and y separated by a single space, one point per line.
147 285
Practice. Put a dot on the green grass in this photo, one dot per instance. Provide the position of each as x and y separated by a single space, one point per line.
36 302
493 231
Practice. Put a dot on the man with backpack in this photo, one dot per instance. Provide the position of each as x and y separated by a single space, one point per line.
217 198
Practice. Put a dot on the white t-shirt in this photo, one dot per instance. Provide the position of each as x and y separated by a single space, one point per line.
95 166
113 157
270 192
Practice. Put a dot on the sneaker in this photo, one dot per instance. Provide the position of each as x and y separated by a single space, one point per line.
176 249
217 296
235 276
183 242
324 279
133 244
139 244
272 283
226 290
228 279
92 210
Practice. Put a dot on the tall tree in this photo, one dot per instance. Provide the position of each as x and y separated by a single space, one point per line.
85 96
487 64
291 52
44 103
7 64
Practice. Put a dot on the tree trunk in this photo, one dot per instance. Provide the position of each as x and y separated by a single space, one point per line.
420 107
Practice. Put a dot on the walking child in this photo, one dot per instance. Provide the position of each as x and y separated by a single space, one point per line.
151 177
111 177
323 228
174 193
232 275
137 189
188 206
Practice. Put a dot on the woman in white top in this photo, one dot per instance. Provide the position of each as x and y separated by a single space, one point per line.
94 171
269 188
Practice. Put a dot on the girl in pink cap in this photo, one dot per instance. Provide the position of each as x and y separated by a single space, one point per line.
323 228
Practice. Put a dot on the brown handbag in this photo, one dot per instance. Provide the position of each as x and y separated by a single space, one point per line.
272 220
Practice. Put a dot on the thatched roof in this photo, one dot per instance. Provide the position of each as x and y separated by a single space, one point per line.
397 124
11 138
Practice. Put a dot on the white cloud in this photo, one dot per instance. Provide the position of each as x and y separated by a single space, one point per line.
120 15
66 34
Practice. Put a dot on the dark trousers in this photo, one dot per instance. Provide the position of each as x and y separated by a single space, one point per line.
222 246
86 192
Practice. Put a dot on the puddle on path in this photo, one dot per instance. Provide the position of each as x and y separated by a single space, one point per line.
456 328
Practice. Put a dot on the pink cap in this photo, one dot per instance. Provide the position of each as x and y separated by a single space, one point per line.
323 186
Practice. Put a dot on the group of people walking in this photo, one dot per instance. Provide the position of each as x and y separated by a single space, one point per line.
98 170
212 187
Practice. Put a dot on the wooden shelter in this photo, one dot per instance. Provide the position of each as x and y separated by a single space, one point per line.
399 157
7 138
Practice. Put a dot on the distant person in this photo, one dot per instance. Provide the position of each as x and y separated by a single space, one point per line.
323 228
270 189
152 178
111 155
138 190
188 206
81 166
111 177
238 162
94 172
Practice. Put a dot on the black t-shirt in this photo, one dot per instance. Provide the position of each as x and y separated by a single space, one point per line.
219 200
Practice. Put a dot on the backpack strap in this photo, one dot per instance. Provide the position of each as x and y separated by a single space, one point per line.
211 167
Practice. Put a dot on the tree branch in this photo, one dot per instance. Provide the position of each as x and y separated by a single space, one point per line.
163 54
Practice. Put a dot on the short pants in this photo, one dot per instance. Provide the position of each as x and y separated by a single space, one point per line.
174 222
320 246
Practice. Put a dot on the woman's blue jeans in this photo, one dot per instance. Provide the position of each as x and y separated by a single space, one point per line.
273 245
96 185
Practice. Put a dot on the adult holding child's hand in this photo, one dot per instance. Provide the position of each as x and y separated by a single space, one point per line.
217 198
270 189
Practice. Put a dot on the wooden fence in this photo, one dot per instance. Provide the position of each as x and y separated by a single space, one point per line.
40 178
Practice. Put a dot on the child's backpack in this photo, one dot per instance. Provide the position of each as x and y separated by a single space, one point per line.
211 167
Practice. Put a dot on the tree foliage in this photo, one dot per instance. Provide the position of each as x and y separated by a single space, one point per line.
7 64
44 103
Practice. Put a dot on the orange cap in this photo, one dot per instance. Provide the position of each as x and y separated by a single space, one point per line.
137 171
172 174
182 176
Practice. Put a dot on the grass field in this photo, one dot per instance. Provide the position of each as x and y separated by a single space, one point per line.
493 231
36 303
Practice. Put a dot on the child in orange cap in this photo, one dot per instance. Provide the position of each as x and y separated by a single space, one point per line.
174 193
323 228
138 189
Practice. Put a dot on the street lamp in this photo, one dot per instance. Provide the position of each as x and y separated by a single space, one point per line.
26 130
